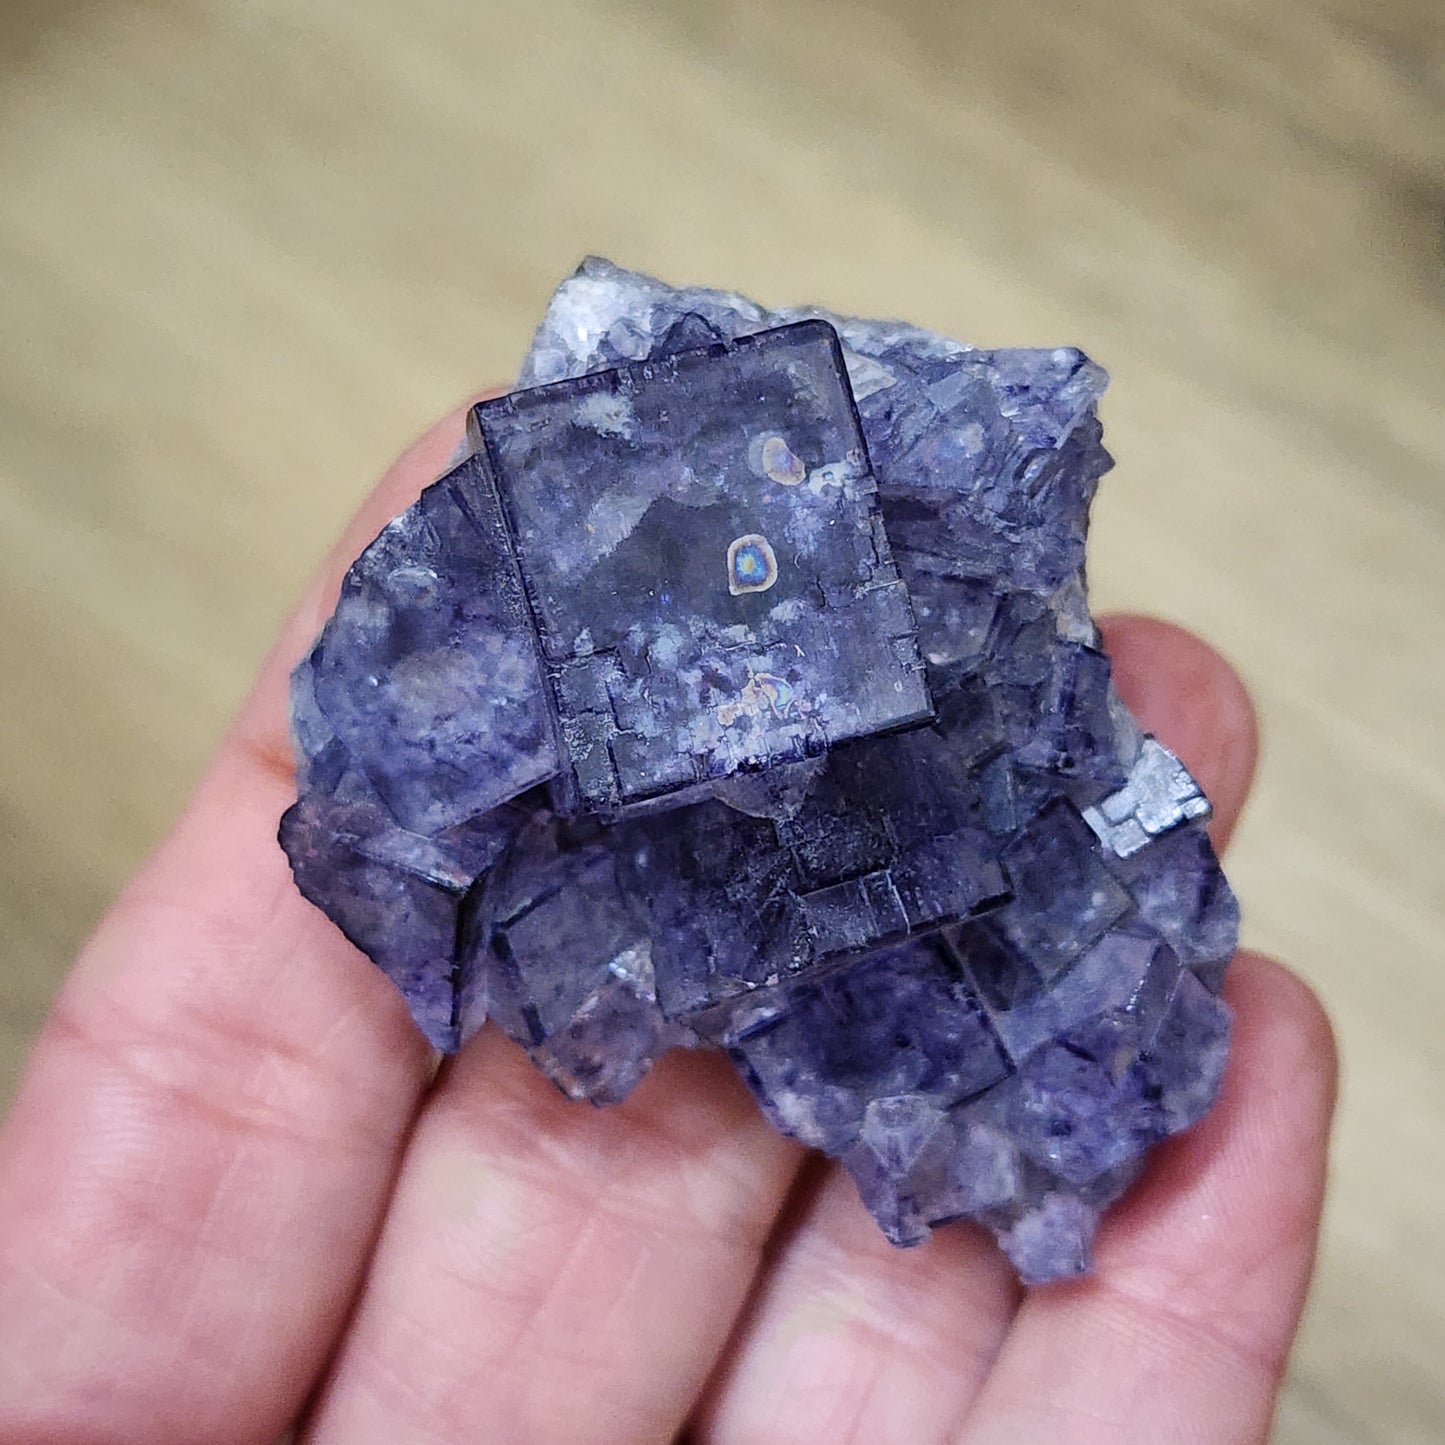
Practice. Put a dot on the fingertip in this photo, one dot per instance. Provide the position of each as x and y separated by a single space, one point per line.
1187 694
1282 1027
260 726
1233 1204
434 453
1184 1328
430 456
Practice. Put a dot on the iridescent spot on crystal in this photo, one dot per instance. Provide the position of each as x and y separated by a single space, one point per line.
752 565
774 458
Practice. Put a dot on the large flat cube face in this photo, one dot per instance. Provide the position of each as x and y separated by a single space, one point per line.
703 554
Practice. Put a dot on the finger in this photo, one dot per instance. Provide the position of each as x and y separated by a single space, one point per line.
1183 1332
554 1273
1185 693
202 1145
261 726
851 1339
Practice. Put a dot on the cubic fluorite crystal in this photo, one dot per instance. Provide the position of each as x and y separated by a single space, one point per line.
739 688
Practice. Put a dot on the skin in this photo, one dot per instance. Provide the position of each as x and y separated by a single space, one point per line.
236 1197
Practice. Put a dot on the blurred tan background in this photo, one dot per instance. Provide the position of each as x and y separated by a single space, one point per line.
247 250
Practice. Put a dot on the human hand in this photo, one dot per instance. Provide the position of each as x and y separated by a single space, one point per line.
233 1196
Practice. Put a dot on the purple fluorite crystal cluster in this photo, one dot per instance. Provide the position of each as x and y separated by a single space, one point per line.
739 688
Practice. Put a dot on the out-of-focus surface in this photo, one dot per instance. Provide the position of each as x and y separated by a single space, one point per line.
246 251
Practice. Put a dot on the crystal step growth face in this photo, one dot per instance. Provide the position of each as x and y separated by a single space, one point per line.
740 690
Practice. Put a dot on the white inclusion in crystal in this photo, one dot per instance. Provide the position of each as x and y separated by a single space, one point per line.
634 967
606 412
610 521
668 646
788 610
807 529
1070 607
897 1127
837 475
866 375
1159 795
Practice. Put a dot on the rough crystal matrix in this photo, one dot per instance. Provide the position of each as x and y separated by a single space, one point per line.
739 688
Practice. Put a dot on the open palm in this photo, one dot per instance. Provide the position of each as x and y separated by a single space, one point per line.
235 1196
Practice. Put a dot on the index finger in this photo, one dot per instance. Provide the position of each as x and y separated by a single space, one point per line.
202 1145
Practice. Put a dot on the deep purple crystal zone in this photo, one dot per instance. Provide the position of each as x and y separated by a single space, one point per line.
876 824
